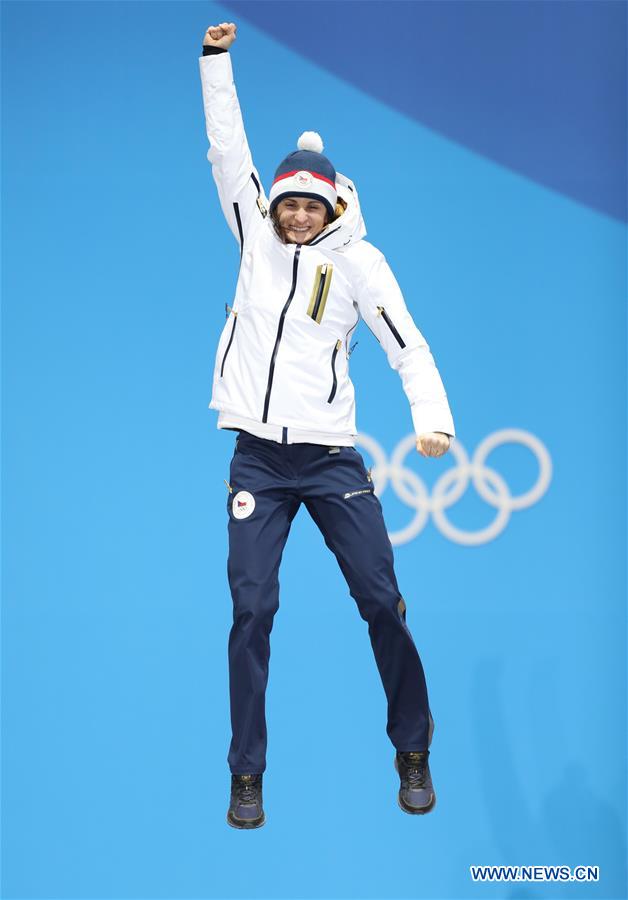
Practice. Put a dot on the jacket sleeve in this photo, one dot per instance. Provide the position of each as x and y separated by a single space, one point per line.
240 190
383 308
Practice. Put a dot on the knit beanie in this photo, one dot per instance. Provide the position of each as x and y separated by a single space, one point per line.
306 173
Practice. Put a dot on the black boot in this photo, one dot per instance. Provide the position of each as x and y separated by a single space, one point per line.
416 792
245 809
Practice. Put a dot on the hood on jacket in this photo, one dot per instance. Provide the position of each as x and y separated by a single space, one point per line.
349 228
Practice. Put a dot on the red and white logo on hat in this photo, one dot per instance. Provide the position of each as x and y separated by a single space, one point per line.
303 178
243 505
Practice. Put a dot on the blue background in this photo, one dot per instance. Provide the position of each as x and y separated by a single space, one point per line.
487 141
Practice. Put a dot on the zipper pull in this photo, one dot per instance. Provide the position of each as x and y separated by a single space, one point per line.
228 485
351 349
338 345
380 310
227 310
368 474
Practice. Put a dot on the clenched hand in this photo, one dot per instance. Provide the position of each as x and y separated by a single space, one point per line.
222 35
432 443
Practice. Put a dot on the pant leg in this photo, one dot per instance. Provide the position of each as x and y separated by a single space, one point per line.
259 523
354 530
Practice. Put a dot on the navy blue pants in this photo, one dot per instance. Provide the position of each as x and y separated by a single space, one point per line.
269 482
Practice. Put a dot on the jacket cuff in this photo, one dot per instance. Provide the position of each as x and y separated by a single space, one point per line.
432 417
208 50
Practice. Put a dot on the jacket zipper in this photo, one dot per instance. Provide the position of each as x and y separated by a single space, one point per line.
350 351
235 319
319 294
320 291
260 205
271 369
236 209
337 347
382 312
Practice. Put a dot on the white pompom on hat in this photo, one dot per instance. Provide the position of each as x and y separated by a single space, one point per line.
310 140
306 173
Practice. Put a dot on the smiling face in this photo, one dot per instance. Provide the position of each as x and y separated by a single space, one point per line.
300 219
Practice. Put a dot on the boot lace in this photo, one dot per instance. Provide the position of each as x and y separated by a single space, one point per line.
246 788
415 769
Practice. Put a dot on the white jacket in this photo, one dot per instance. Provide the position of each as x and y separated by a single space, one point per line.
282 364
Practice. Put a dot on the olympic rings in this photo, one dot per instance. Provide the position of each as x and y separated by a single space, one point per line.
453 483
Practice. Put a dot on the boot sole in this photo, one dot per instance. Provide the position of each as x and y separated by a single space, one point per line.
246 823
417 812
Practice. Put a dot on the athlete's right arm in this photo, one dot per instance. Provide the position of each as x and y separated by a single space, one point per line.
239 187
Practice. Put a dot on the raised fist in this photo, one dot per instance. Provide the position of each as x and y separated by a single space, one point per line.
222 35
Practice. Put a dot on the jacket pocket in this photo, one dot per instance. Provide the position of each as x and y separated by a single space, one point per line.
334 385
382 312
233 328
320 291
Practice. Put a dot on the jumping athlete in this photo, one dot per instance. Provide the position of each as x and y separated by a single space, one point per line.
281 380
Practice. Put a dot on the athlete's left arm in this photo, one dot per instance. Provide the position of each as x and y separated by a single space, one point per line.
383 308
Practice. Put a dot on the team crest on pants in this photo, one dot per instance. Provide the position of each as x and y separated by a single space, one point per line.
243 505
